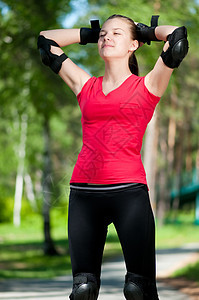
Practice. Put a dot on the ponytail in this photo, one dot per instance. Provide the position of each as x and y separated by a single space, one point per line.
133 64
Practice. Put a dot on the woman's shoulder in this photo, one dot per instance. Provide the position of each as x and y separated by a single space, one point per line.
137 87
91 83
88 83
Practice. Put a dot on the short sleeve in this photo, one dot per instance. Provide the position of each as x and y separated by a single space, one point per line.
151 97
85 89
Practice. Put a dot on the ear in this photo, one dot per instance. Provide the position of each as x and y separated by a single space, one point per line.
134 45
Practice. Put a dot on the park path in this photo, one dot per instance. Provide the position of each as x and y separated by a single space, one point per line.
112 280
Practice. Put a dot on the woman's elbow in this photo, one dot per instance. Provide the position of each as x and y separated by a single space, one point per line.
43 32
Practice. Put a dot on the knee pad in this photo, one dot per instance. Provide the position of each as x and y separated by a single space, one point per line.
178 48
137 287
85 287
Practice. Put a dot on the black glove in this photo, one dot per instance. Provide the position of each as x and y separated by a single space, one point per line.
90 35
146 34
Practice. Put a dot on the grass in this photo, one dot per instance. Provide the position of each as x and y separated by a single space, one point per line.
22 251
190 272
33 265
177 231
176 235
22 248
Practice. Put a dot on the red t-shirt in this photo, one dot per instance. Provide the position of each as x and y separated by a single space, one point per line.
113 127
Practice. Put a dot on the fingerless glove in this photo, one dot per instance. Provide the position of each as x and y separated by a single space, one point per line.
146 34
90 35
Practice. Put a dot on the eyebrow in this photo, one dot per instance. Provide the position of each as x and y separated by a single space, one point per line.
113 29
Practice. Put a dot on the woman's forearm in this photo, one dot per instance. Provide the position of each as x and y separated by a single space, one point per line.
161 32
63 37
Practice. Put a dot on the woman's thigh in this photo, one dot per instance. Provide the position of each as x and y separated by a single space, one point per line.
87 231
134 222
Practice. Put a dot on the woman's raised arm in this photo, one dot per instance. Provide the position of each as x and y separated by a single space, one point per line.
50 43
174 50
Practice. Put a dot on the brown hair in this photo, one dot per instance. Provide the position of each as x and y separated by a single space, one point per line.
133 65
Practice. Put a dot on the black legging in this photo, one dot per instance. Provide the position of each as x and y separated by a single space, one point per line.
90 213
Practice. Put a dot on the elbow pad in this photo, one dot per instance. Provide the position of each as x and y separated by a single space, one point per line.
178 48
48 58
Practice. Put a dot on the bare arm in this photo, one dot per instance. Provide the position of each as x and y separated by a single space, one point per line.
74 76
157 80
63 37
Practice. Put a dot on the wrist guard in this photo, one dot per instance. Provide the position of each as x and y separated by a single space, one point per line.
178 48
146 34
48 58
90 35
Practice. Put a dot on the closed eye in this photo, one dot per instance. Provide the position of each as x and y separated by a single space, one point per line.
102 34
114 33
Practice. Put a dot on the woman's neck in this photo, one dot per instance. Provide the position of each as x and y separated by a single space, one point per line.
114 76
116 73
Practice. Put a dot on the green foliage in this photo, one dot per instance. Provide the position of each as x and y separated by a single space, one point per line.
7 204
176 235
26 86
190 272
6 210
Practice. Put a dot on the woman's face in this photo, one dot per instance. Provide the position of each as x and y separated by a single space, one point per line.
115 39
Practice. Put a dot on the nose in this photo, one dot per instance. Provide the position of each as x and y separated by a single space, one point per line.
107 37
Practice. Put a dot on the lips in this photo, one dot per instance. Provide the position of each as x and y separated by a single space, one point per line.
106 46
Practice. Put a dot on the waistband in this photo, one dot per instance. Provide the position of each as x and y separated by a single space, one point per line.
104 187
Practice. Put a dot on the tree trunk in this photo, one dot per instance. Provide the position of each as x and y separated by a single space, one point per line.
197 195
20 171
171 143
49 248
179 163
150 153
163 182
189 150
29 191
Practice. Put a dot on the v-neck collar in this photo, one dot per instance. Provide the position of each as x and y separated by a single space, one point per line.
101 87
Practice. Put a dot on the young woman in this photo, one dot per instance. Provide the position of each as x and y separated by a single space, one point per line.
108 183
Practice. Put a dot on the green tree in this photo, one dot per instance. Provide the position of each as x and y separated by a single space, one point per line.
54 131
28 88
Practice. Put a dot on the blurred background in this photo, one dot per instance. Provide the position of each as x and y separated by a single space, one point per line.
40 132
